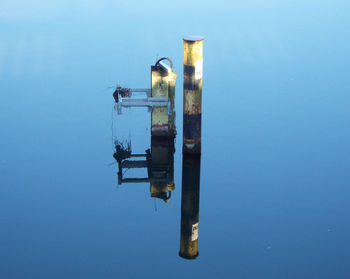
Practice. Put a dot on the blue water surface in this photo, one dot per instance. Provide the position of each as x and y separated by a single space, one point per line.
274 191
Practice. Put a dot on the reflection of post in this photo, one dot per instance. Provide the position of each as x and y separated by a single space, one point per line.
190 206
192 90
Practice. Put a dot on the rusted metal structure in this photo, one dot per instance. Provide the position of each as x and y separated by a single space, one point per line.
192 94
163 86
159 159
160 99
190 206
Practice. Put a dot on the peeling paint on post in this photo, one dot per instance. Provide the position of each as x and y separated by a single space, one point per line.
190 206
192 90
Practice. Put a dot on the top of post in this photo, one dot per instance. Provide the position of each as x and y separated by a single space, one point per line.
193 38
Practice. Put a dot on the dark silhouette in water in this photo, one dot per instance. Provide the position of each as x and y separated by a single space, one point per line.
158 160
190 206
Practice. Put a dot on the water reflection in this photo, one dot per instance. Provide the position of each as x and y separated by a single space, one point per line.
190 206
158 161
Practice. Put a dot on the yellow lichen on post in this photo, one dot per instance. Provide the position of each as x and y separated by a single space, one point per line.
193 50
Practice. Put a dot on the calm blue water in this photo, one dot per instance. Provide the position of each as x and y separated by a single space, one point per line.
274 184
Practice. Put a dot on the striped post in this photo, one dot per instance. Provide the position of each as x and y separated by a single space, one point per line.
192 90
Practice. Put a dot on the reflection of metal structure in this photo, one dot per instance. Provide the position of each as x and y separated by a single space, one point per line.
159 99
190 206
159 162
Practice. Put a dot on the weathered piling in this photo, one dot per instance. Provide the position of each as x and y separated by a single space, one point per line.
163 86
190 206
192 90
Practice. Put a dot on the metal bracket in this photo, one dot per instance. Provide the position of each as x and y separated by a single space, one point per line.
149 102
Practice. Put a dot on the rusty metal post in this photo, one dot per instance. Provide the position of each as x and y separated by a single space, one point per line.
190 206
192 90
